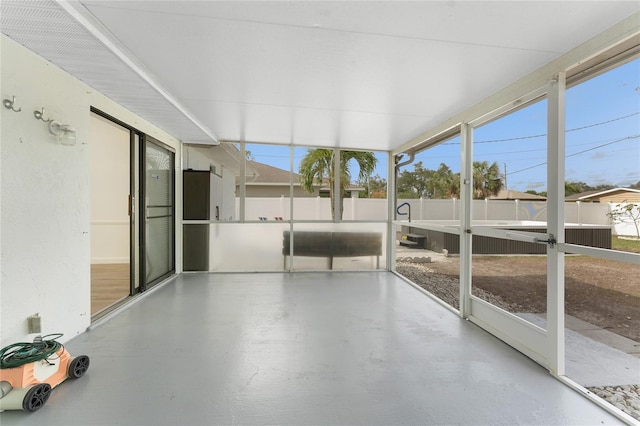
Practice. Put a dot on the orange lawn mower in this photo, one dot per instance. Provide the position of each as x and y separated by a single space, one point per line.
28 372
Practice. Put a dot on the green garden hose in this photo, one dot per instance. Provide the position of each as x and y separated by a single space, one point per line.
18 354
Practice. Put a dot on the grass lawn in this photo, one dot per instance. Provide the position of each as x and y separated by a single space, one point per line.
625 245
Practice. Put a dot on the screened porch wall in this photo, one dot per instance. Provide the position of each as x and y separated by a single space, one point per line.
265 246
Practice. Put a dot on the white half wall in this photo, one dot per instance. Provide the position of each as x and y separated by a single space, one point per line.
45 196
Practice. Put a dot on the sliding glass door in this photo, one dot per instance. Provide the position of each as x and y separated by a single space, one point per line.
112 217
159 212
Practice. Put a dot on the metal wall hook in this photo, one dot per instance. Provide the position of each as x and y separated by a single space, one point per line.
65 133
40 116
9 104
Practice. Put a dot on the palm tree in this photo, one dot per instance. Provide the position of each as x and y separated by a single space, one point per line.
486 179
317 167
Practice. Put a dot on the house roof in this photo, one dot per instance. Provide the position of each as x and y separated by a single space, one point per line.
266 174
591 195
510 194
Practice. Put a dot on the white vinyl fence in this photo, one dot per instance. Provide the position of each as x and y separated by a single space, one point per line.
363 209
625 225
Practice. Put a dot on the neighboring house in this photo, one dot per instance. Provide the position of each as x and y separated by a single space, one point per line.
615 195
263 180
509 194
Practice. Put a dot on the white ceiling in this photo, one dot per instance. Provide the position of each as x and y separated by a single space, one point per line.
351 74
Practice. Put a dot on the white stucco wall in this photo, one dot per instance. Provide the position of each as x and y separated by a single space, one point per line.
45 196
45 200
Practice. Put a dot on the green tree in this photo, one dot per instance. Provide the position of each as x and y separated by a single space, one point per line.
414 184
487 179
603 187
374 187
317 166
445 183
572 187
427 183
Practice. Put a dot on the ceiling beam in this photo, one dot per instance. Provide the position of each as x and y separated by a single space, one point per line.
85 18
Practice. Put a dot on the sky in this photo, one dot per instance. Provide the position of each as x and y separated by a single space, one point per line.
602 138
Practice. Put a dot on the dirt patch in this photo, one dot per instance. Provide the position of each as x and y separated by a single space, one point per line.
602 292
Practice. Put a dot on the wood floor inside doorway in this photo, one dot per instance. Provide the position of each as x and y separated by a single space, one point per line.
109 284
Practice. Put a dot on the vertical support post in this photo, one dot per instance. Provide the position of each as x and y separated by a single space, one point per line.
337 196
243 182
610 219
555 222
517 204
453 208
291 199
466 199
392 201
578 213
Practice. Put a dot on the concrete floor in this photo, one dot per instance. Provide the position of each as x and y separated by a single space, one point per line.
596 357
307 348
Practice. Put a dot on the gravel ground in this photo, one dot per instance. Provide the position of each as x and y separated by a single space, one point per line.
447 288
625 398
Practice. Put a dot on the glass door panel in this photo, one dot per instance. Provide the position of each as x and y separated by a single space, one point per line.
111 215
602 265
510 177
428 205
135 216
159 212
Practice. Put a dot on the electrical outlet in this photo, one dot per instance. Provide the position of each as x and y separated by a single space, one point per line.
34 324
